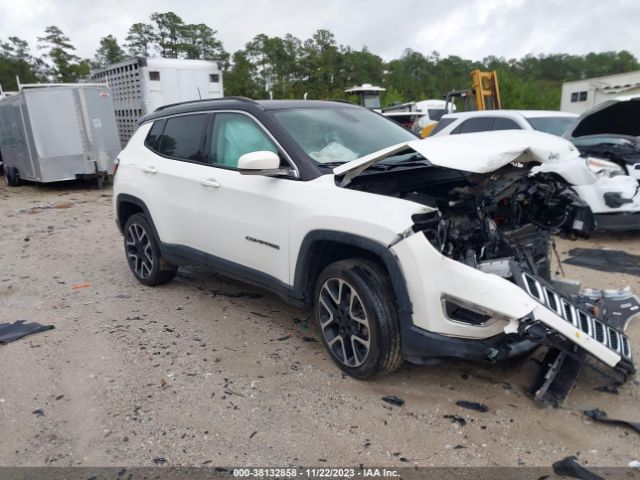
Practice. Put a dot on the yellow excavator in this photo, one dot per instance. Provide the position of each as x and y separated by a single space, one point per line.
483 95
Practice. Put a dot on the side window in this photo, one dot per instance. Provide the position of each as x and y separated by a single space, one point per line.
444 122
476 124
234 135
183 137
501 123
154 134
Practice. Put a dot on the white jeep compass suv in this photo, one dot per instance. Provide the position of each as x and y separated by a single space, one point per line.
404 248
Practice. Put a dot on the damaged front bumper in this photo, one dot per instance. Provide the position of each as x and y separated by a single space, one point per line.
576 327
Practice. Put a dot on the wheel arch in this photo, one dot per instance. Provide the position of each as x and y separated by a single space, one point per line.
320 248
128 205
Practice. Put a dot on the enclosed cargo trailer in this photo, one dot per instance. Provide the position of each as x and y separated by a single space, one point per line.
56 132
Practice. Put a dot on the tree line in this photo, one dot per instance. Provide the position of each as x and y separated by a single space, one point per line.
320 67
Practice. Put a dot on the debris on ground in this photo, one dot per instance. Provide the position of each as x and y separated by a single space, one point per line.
612 389
569 467
456 419
38 412
478 407
605 260
18 329
635 464
159 460
222 293
601 416
78 286
393 400
38 208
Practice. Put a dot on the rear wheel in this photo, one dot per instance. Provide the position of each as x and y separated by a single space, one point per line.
11 176
143 253
355 313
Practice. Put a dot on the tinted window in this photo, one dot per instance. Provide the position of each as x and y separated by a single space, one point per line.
155 76
574 97
477 124
445 122
501 123
436 113
583 96
154 134
234 135
214 77
183 137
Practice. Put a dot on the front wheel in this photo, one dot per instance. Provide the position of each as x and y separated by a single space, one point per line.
143 253
355 312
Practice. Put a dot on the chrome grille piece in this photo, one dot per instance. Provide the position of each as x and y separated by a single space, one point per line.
563 307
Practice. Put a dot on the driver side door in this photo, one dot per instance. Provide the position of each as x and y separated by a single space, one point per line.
245 217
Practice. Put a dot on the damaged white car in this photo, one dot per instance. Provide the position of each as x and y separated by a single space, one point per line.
405 249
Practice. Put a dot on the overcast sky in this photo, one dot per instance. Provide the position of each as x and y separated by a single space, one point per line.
469 28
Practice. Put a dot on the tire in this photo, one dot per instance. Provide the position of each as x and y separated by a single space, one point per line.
143 254
354 302
11 176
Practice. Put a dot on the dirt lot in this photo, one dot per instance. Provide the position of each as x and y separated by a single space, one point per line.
184 375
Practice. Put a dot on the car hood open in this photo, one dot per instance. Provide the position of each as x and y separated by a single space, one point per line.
481 152
618 117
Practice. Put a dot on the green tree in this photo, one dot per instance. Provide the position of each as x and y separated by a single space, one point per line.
16 61
108 52
199 42
140 39
168 33
58 50
240 78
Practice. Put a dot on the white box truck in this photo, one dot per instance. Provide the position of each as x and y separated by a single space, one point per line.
140 85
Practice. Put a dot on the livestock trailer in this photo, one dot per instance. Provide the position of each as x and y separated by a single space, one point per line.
140 85
55 132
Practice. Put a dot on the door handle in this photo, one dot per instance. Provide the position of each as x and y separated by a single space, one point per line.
150 170
210 182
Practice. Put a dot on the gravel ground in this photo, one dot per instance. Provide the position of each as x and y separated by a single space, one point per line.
184 375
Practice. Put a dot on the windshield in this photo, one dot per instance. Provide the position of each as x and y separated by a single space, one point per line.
436 113
553 125
339 135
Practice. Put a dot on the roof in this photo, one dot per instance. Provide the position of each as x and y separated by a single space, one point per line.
615 75
512 113
241 103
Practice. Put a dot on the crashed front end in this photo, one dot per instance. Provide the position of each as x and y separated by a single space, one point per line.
494 242
477 264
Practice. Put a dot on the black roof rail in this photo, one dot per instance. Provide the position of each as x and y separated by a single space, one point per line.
188 102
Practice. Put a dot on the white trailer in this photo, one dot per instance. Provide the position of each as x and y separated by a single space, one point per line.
140 85
55 132
581 95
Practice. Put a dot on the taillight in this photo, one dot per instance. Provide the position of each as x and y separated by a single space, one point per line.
115 165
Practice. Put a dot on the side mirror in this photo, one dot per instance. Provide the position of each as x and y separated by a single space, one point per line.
262 163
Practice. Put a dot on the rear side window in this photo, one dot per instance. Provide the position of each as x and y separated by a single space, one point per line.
501 123
443 123
154 135
476 124
183 137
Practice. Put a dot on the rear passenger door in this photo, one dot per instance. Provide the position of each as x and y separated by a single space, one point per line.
173 176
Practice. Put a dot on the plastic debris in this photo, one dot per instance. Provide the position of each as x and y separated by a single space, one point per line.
569 467
393 400
478 407
13 331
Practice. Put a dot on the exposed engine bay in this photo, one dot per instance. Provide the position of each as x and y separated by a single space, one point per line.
507 214
502 223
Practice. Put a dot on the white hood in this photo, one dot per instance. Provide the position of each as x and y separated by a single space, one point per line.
481 152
